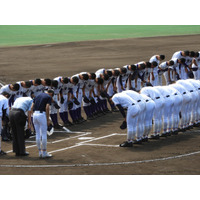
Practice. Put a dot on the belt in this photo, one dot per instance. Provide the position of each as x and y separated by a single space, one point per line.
191 90
138 100
184 92
133 104
38 111
157 98
147 100
168 96
175 94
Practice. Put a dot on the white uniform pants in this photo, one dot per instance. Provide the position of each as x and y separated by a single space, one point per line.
149 112
155 81
132 120
157 117
40 124
53 110
63 106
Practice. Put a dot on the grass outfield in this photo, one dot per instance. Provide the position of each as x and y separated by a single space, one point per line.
29 35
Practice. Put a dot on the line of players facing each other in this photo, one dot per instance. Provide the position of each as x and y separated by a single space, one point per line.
172 109
93 89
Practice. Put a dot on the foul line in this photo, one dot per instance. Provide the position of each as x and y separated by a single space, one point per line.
101 164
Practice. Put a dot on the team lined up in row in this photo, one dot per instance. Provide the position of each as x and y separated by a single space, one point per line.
172 108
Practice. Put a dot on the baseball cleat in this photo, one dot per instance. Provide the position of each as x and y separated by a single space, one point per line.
2 153
155 137
163 135
137 142
46 155
126 144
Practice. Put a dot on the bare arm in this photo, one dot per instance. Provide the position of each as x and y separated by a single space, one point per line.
47 114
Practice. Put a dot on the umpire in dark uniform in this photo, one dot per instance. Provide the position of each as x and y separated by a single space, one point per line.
18 121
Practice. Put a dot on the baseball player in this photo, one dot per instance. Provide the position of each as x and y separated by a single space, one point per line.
168 108
35 87
122 100
178 100
182 67
187 98
4 112
192 106
24 87
63 99
11 89
73 86
164 70
139 80
122 80
154 73
149 112
141 115
196 66
155 95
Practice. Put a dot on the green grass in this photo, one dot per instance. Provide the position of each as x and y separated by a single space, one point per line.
28 35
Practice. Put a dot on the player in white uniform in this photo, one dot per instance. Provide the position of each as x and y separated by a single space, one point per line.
155 95
196 116
192 106
11 89
178 100
149 112
164 70
196 66
182 67
168 108
122 80
122 100
34 84
141 116
4 112
24 87
185 105
141 70
154 73
173 73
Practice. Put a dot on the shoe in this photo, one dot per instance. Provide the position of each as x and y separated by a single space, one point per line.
68 123
90 118
126 144
23 154
163 135
145 139
58 126
2 153
168 133
107 111
137 142
32 134
46 155
155 137
175 133
40 154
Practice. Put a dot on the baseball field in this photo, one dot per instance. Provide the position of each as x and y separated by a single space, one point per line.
29 52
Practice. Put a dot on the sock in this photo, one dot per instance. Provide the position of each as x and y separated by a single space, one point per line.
54 119
71 112
62 117
66 116
86 110
79 112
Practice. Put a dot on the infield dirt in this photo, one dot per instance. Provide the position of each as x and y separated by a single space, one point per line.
66 59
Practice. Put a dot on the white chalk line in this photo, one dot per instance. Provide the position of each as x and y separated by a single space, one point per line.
80 143
102 164
31 146
101 145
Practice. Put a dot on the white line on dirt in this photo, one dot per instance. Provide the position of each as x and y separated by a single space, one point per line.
102 164
101 145
27 147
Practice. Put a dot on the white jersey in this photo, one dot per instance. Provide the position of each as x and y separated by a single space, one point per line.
60 85
188 60
177 55
6 88
164 67
3 105
99 72
36 90
22 90
154 59
123 99
151 92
